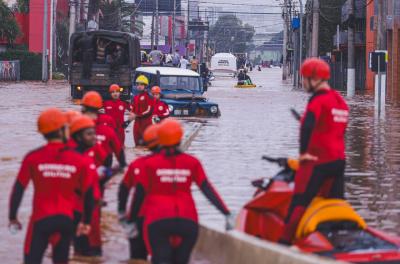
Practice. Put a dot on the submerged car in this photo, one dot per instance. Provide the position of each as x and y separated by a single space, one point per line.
182 90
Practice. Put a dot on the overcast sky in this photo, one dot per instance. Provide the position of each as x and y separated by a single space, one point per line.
261 22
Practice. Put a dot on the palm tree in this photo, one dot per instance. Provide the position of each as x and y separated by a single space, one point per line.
9 28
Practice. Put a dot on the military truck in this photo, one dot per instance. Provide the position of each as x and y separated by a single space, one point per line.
100 58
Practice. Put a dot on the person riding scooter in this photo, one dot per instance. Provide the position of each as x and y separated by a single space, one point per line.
322 146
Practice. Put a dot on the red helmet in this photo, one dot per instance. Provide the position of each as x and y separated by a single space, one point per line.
150 136
114 88
92 99
170 132
315 68
51 120
81 122
155 90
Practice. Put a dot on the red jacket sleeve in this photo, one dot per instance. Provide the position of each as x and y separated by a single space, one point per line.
207 189
23 178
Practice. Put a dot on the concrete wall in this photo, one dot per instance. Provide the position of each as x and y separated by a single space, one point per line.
234 247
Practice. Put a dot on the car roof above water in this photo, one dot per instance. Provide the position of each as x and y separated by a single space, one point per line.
168 71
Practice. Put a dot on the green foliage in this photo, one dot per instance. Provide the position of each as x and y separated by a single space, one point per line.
111 19
31 63
23 6
330 16
230 35
9 28
62 27
116 15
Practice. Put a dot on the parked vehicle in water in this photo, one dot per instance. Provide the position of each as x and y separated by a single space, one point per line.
329 227
182 90
100 58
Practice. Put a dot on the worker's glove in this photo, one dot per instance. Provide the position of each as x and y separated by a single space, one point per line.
126 124
130 229
104 172
122 218
155 120
229 222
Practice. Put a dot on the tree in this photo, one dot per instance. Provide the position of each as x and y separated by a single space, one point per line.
9 28
329 18
230 35
117 15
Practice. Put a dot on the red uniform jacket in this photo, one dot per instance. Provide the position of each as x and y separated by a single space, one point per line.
116 109
108 139
323 126
107 120
161 109
128 182
57 173
142 105
167 184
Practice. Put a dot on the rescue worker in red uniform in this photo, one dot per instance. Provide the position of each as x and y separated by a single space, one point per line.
57 172
161 110
137 246
83 132
116 109
142 109
322 145
106 136
163 188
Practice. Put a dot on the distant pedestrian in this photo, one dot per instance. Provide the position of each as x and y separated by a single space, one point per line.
176 58
194 64
184 63
155 56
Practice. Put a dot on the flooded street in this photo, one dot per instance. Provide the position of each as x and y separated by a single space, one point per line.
254 122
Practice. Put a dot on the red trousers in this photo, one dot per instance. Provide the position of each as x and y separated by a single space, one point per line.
139 127
311 180
121 134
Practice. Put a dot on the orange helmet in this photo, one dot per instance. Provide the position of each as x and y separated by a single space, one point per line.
114 88
71 115
170 132
150 136
51 120
80 123
92 99
155 90
315 68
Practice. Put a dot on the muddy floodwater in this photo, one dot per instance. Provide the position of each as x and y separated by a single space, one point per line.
254 122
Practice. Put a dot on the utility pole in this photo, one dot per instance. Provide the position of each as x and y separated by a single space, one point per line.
301 33
45 76
152 32
381 29
72 17
315 28
173 27
351 72
187 31
285 40
157 24
51 39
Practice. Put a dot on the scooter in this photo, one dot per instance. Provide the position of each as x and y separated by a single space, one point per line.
329 227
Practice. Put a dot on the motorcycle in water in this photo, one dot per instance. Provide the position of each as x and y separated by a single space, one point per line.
329 227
